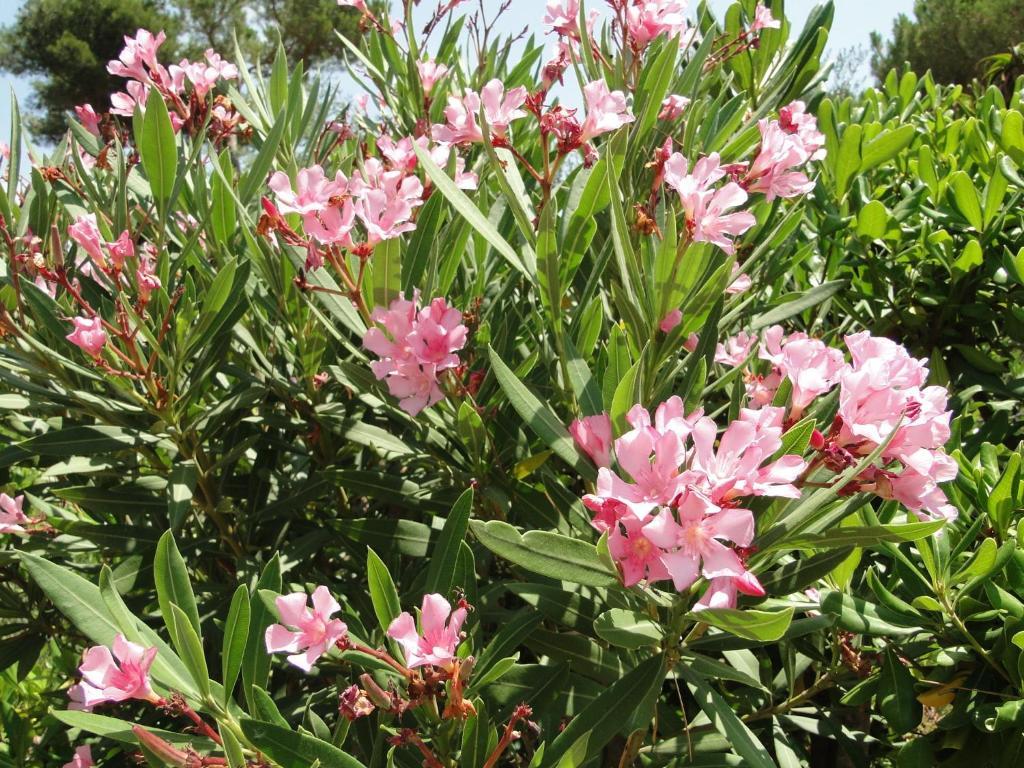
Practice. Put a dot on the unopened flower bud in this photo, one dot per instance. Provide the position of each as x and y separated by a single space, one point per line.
167 752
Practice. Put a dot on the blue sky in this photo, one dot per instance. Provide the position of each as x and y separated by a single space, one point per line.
855 20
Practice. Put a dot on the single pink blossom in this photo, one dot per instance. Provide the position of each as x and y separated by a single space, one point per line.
920 493
692 545
121 249
145 276
440 633
670 321
502 108
889 363
741 282
638 557
722 591
772 172
813 369
563 16
12 518
648 19
763 19
795 120
384 200
692 342
430 74
438 335
82 758
673 107
712 222
306 634
87 235
593 435
114 677
90 121
313 191
606 110
138 58
88 335
735 350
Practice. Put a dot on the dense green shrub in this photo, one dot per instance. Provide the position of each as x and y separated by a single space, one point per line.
212 416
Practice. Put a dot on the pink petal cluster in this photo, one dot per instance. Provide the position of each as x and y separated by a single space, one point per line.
734 350
306 634
812 367
648 19
12 518
500 109
673 107
107 256
773 170
430 73
113 677
882 394
381 199
798 122
82 758
139 64
763 19
89 335
563 17
593 435
706 206
440 631
90 121
606 111
673 505
415 345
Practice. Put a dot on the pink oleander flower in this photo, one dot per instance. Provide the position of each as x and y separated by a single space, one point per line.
82 758
124 102
772 172
87 236
920 493
671 320
121 249
401 155
306 634
327 211
639 558
692 545
888 363
114 677
138 58
647 19
439 637
735 469
384 200
763 19
673 107
692 342
12 518
606 110
461 126
761 389
723 591
414 346
430 74
795 120
204 75
741 282
593 435
463 179
706 207
502 108
735 350
88 335
90 121
812 367
145 276
563 17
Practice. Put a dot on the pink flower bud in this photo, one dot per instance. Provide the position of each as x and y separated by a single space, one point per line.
593 435
88 335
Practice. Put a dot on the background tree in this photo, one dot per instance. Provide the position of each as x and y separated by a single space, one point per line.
66 44
950 37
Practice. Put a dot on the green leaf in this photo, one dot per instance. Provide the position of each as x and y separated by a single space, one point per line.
513 633
295 750
862 617
739 736
157 148
73 596
896 700
885 146
867 535
549 554
630 699
1002 500
965 197
223 215
873 220
468 210
802 573
762 626
441 570
848 158
190 648
628 629
539 416
383 594
236 632
172 584
795 303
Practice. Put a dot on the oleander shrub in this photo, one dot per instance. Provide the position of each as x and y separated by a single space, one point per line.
456 426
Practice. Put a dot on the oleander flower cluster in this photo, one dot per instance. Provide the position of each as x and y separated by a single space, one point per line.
675 506
415 345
